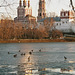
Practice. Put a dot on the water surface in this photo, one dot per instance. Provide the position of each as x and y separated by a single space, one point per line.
49 61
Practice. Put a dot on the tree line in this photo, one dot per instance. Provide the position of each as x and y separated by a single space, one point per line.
11 30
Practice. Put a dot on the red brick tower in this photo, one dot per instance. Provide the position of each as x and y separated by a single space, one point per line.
41 10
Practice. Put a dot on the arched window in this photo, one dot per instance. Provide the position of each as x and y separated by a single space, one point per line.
40 14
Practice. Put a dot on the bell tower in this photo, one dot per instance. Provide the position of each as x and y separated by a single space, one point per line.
20 11
24 3
20 3
41 10
28 3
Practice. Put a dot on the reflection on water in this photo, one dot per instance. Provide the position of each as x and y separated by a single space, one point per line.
32 69
48 61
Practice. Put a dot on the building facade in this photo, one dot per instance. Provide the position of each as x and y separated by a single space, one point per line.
66 23
67 15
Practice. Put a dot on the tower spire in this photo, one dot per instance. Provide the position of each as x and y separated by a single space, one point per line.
24 3
20 3
28 3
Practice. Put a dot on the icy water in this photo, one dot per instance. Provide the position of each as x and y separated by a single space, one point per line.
50 61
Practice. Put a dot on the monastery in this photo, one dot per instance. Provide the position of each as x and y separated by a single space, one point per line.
64 23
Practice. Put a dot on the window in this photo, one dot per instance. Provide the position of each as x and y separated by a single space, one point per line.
20 11
20 15
43 14
40 14
66 14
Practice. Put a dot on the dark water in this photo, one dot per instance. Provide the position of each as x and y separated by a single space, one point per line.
50 61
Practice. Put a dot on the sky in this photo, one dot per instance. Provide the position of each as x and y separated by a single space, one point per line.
51 6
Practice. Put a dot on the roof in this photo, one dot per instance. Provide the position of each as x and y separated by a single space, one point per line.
54 18
30 16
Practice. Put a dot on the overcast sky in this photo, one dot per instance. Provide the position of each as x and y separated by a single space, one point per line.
51 6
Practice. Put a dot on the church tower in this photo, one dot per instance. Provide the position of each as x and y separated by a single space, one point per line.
28 3
24 11
41 10
20 3
24 3
28 9
20 11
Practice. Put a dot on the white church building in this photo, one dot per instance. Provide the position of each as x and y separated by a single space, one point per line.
66 24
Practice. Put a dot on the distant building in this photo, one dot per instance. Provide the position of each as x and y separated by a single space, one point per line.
51 14
41 10
65 25
47 20
23 11
67 15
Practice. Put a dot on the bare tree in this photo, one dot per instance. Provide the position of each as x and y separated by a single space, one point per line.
55 34
71 2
